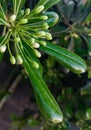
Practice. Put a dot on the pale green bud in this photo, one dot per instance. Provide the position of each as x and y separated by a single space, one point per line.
32 40
44 17
27 11
23 21
35 64
39 9
43 43
19 60
36 45
45 26
37 53
17 39
41 33
3 48
12 18
12 60
48 36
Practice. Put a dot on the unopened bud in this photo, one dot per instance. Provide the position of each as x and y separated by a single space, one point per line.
48 36
12 18
39 9
66 38
36 45
32 40
41 33
35 64
19 60
27 11
44 17
45 26
75 35
43 43
37 53
3 48
12 60
23 21
17 39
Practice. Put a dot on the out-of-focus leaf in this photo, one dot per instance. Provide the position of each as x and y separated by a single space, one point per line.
86 89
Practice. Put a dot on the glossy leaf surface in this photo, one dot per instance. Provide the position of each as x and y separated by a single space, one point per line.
45 100
68 59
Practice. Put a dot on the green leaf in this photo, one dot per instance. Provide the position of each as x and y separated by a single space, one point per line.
88 41
47 3
68 59
17 5
50 3
42 2
45 100
86 89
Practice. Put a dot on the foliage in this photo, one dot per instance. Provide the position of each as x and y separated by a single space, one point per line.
26 35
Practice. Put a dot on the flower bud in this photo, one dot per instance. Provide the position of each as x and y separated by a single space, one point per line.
41 33
23 21
44 17
27 11
35 64
45 26
43 43
12 18
75 35
32 40
3 48
19 60
48 36
17 39
37 53
12 60
39 9
66 38
36 45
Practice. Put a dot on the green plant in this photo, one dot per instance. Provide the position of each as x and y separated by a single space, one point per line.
25 32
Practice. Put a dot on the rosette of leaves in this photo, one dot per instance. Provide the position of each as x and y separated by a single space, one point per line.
25 33
74 26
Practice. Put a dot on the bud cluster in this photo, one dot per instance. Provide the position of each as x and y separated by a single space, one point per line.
30 27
